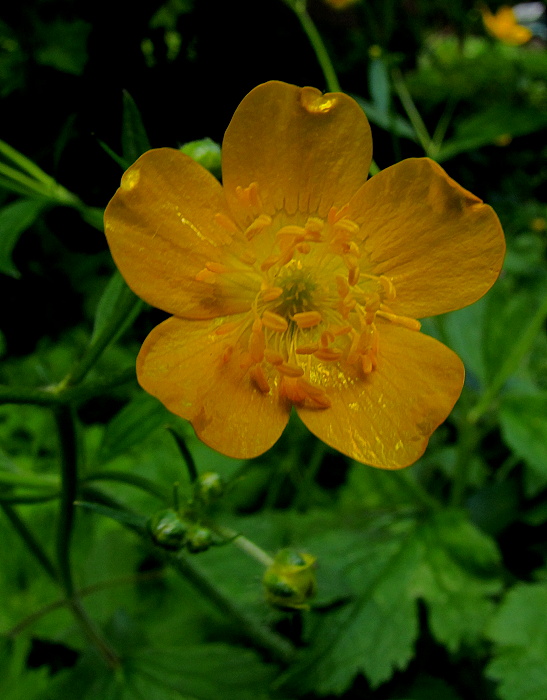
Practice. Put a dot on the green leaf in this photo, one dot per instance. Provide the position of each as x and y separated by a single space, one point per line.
379 85
15 219
390 122
493 123
116 294
134 138
16 681
132 425
443 560
194 672
523 420
519 633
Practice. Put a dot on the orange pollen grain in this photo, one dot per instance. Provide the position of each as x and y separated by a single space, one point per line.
328 354
289 370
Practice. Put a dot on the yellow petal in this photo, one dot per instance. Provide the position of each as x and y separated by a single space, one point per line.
194 373
386 419
439 244
306 151
162 231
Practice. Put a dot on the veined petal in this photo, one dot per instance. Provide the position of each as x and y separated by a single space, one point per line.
306 151
441 247
162 231
386 419
197 374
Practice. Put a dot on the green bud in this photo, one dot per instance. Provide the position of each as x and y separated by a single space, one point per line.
167 529
198 539
206 152
289 582
209 486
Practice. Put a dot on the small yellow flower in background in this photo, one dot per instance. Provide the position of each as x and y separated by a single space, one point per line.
341 4
504 25
297 282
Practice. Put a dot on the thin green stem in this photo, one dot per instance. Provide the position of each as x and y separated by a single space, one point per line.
139 482
94 634
318 45
411 111
186 455
305 487
25 163
261 636
66 426
32 543
246 545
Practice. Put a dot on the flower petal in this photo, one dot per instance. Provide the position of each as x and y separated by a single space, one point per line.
191 370
386 419
162 231
306 151
439 244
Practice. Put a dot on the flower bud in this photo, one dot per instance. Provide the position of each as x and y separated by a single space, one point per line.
209 486
167 529
206 152
289 582
198 539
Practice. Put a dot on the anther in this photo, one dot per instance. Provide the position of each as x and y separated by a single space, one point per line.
205 275
274 322
249 195
257 226
227 354
306 349
328 354
313 228
226 223
387 287
217 267
410 323
313 392
259 378
227 327
327 337
353 276
272 293
335 214
273 357
307 319
289 370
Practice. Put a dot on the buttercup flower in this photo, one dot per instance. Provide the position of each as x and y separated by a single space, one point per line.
297 283
507 25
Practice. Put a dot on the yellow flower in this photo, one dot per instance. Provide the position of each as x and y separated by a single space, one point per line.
504 26
297 283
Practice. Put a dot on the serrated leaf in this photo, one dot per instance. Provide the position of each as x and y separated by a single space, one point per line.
443 560
197 672
130 426
15 219
523 420
134 137
519 633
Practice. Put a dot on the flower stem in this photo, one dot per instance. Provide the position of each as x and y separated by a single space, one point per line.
246 545
318 45
411 111
29 539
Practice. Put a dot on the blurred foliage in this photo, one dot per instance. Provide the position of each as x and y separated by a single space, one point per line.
431 582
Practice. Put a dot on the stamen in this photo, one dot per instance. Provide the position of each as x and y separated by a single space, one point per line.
273 357
227 354
272 293
257 226
410 323
353 276
307 319
335 214
303 248
290 370
226 223
314 227
249 195
259 378
247 258
217 267
274 322
328 354
227 327
205 275
314 392
387 286
327 337
306 349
